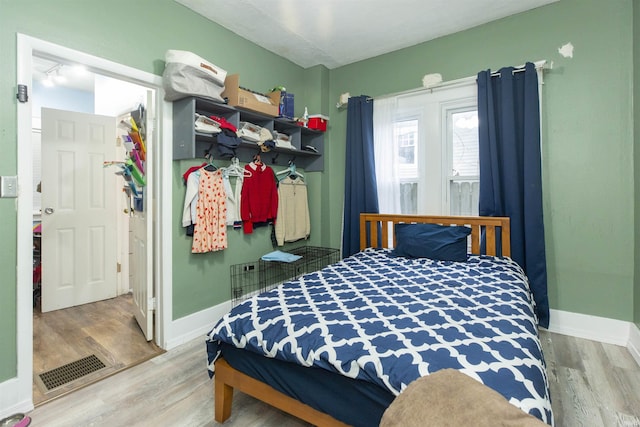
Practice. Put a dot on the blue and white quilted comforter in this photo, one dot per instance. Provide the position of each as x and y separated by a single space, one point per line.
390 320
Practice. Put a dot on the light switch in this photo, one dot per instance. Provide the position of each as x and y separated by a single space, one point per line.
8 186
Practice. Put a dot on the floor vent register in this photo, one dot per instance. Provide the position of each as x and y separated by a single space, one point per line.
71 371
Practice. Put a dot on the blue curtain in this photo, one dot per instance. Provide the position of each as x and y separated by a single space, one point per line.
510 168
360 190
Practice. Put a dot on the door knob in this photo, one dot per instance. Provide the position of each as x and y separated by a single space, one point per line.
48 211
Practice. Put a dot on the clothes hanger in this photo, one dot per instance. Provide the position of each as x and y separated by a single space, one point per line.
234 169
291 170
209 167
256 159
245 173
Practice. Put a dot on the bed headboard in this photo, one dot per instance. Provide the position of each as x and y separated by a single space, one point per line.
496 229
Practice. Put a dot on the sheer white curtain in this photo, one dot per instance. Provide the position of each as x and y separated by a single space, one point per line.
386 154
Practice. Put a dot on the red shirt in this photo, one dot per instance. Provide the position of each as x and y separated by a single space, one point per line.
259 196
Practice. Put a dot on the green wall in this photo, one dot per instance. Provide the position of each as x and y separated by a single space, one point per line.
137 34
588 179
588 132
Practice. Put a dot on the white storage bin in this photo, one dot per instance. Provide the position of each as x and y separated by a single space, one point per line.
187 74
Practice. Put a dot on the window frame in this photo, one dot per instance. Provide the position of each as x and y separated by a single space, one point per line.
432 110
461 105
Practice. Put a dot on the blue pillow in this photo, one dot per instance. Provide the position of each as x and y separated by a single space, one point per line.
434 241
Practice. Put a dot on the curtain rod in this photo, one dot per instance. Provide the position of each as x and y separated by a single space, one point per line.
539 65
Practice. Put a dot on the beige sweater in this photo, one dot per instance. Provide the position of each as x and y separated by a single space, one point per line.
292 222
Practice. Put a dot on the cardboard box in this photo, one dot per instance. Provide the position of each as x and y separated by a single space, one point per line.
241 98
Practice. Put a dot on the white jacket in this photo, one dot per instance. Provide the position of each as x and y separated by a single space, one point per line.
233 199
189 214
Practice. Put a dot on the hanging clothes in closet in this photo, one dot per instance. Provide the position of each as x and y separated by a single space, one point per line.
293 210
259 196
234 193
210 214
191 180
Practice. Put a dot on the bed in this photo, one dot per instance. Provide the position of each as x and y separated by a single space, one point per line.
336 346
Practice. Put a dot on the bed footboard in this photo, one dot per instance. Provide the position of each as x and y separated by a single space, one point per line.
227 379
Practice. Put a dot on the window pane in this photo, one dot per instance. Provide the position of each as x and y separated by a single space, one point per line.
409 198
464 196
465 164
465 160
405 134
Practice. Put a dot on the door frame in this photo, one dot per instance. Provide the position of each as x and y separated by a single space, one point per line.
27 46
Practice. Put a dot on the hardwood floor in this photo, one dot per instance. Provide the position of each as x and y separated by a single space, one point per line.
592 384
106 329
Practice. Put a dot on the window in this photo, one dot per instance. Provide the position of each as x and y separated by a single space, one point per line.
434 168
405 135
464 178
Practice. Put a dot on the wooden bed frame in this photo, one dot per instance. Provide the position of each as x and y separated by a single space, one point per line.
376 228
371 225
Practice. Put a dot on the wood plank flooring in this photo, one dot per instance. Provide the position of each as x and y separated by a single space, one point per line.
592 384
104 328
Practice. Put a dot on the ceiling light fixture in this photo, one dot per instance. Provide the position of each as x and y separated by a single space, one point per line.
47 81
53 76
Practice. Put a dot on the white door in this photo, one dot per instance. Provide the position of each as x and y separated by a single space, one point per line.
139 273
78 209
141 239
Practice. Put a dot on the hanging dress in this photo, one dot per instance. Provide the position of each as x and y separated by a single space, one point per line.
210 232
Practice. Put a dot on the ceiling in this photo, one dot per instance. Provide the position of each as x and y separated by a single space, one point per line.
334 33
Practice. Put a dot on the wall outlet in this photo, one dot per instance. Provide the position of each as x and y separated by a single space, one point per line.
8 186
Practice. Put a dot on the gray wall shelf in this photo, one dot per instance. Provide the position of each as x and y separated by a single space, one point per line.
189 144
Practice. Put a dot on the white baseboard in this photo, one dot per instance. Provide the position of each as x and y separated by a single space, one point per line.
634 342
194 325
602 329
8 403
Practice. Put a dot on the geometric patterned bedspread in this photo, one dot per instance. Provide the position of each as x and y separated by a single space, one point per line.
390 320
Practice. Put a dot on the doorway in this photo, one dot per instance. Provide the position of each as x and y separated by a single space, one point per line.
28 48
82 297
